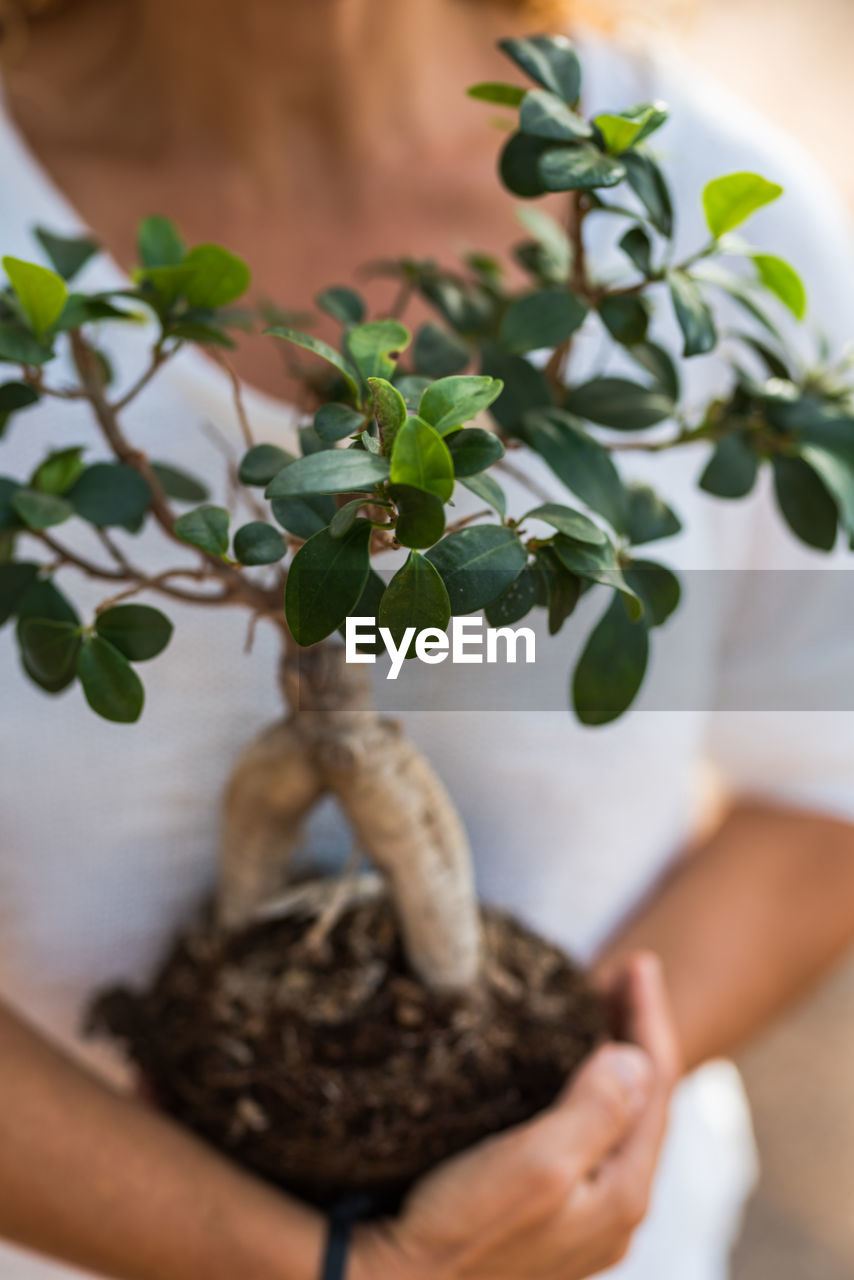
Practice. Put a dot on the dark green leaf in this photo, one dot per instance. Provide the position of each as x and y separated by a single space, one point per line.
649 185
637 247
15 396
596 564
205 335
415 597
544 115
16 578
41 510
389 410
550 60
648 517
218 277
502 95
581 462
563 588
262 462
660 364
451 402
611 668
40 291
110 493
412 387
832 459
731 200
525 387
514 603
138 631
67 254
59 471
438 353
205 527
570 522
477 564
333 471
303 517
44 600
519 165
8 517
658 588
20 347
343 304
807 507
472 450
159 243
693 313
259 543
625 317
179 484
112 687
483 486
554 252
543 319
420 458
368 606
374 347
325 581
49 649
581 167
321 349
421 516
619 404
732 469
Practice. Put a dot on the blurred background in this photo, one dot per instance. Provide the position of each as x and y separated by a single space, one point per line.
792 59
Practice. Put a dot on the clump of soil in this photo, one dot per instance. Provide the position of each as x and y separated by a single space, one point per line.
336 1072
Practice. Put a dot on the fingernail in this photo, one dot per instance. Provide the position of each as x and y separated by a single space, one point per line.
631 1067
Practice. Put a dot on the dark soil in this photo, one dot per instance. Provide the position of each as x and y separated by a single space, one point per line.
339 1073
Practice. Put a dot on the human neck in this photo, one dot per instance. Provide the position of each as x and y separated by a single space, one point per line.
252 81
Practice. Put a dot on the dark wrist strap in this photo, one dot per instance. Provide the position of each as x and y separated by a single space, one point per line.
342 1219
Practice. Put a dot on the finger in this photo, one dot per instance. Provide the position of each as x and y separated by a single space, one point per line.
598 1110
648 1016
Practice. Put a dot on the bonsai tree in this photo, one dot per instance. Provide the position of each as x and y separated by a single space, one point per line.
395 429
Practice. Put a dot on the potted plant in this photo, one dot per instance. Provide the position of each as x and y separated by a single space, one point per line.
342 1033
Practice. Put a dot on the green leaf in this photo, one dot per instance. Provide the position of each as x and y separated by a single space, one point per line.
658 588
49 649
41 510
625 317
261 463
368 606
438 353
389 410
421 516
18 346
596 564
321 349
732 469
59 471
619 404
477 564
833 462
110 493
159 243
343 304
205 527
544 115
335 421
259 543
303 517
204 335
519 165
8 517
41 292
486 488
44 600
543 319
179 484
550 237
660 364
581 462
784 281
16 578
582 167
15 396
650 186
570 522
693 314
648 517
325 581
415 597
806 506
450 403
562 588
550 60
112 687
412 387
525 387
501 95
514 603
374 347
138 631
68 255
621 130
345 517
332 471
611 668
637 247
730 201
218 277
473 450
420 458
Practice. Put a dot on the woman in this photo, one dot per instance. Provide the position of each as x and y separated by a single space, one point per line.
313 137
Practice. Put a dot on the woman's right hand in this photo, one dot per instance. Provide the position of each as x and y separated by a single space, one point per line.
558 1198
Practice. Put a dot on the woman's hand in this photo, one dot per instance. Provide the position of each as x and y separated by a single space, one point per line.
558 1198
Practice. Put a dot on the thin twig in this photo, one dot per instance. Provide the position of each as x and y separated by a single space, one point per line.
464 520
158 359
237 396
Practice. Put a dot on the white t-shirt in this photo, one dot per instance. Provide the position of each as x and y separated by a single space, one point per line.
107 832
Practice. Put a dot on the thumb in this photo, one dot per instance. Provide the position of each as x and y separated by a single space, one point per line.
601 1105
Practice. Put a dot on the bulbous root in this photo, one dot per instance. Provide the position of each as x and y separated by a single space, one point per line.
400 813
